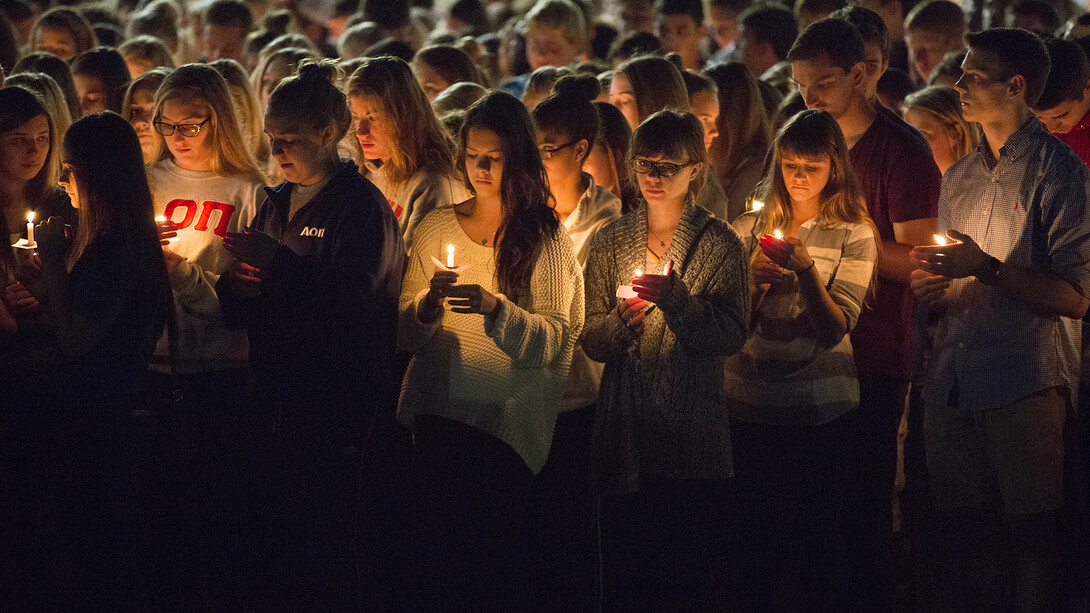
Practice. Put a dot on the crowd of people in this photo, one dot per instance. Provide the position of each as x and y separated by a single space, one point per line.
557 305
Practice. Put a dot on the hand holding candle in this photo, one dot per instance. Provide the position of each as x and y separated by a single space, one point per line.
654 288
168 231
625 292
961 257
788 253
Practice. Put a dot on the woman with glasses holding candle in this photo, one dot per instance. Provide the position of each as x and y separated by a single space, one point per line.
792 390
315 283
108 300
492 343
207 186
567 125
406 152
661 452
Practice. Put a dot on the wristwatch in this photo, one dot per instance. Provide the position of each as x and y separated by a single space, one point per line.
989 272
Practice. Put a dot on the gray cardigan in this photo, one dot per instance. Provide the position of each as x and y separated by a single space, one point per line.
660 407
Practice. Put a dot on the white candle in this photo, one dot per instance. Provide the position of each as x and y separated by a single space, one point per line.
777 233
756 205
450 256
940 239
625 292
30 228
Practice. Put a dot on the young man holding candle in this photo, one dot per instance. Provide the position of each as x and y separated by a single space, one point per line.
1007 348
900 183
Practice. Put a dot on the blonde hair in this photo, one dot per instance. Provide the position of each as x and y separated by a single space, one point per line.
199 82
814 134
419 141
561 15
249 109
150 80
943 104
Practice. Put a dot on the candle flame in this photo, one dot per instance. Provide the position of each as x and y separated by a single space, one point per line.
756 205
30 217
940 240
160 218
777 233
450 249
639 273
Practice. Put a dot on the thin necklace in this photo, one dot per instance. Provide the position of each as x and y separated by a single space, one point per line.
662 243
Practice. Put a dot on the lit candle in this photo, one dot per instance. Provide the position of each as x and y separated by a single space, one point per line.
756 205
160 219
940 240
625 292
30 228
777 233
450 256
639 273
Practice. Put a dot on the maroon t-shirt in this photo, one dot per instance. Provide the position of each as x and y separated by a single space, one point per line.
900 183
1079 139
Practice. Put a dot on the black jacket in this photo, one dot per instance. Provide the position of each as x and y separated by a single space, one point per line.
323 330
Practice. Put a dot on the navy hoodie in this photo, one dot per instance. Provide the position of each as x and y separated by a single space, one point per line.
323 330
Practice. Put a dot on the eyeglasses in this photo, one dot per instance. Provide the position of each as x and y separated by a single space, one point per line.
548 152
660 169
188 130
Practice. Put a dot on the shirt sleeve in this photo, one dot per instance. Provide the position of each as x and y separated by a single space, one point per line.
604 335
849 285
1066 221
412 334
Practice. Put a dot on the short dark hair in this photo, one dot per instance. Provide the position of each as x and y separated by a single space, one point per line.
1015 52
834 39
940 16
1068 76
692 8
775 25
1050 19
735 6
818 7
870 26
231 14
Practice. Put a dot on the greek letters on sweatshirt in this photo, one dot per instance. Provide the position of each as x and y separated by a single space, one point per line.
205 207
415 198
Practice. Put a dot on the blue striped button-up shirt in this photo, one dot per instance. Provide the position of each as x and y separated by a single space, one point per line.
1028 209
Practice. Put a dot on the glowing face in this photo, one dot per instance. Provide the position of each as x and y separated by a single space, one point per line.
658 189
23 151
705 105
430 80
57 41
374 128
549 47
823 86
67 180
942 138
92 94
484 161
190 152
623 97
223 42
804 177
681 35
301 154
140 107
983 97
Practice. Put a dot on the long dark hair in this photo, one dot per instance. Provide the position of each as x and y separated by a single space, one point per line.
524 187
113 189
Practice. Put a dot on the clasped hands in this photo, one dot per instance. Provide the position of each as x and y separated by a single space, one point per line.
253 251
469 298
936 265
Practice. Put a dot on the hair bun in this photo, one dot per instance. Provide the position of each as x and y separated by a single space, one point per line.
579 86
320 70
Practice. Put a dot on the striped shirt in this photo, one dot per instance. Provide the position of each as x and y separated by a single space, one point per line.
1028 209
783 375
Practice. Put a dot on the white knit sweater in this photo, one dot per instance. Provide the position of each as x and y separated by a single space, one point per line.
502 374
